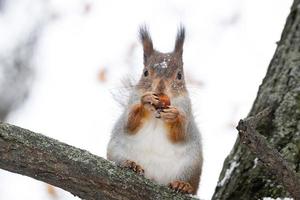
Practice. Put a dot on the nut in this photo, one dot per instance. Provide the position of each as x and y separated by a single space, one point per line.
164 101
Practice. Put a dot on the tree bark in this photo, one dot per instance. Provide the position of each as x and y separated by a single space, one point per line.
269 156
77 171
243 176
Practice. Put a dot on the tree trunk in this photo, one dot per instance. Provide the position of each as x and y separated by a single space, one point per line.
243 176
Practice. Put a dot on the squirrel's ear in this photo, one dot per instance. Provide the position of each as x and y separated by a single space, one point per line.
146 41
179 40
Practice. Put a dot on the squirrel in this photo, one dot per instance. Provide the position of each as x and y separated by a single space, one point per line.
156 136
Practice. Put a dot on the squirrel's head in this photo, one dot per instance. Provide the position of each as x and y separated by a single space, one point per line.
163 72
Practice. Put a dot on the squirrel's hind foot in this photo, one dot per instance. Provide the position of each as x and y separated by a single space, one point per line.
181 186
133 166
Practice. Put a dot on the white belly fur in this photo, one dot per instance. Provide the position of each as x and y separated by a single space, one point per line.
150 147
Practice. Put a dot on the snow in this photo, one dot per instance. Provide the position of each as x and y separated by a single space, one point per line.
228 47
228 173
163 64
255 162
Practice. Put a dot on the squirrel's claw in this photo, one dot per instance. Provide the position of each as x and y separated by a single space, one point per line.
181 186
133 166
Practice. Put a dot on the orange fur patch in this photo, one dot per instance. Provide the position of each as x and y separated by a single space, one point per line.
135 118
176 129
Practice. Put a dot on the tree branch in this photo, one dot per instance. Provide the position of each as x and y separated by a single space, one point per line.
77 171
269 156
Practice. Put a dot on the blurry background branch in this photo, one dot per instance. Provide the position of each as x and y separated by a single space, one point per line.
17 57
77 171
16 65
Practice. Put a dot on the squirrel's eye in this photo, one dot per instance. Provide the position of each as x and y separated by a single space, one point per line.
146 73
179 76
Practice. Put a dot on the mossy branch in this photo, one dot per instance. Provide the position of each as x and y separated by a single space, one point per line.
77 171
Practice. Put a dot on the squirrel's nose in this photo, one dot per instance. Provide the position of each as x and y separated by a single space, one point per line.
161 87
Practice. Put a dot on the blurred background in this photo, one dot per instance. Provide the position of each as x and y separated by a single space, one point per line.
62 62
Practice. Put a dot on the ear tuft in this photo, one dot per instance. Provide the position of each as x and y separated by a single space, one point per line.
146 40
179 40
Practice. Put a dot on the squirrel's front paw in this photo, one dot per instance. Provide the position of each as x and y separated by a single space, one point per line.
150 100
181 186
169 114
133 166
